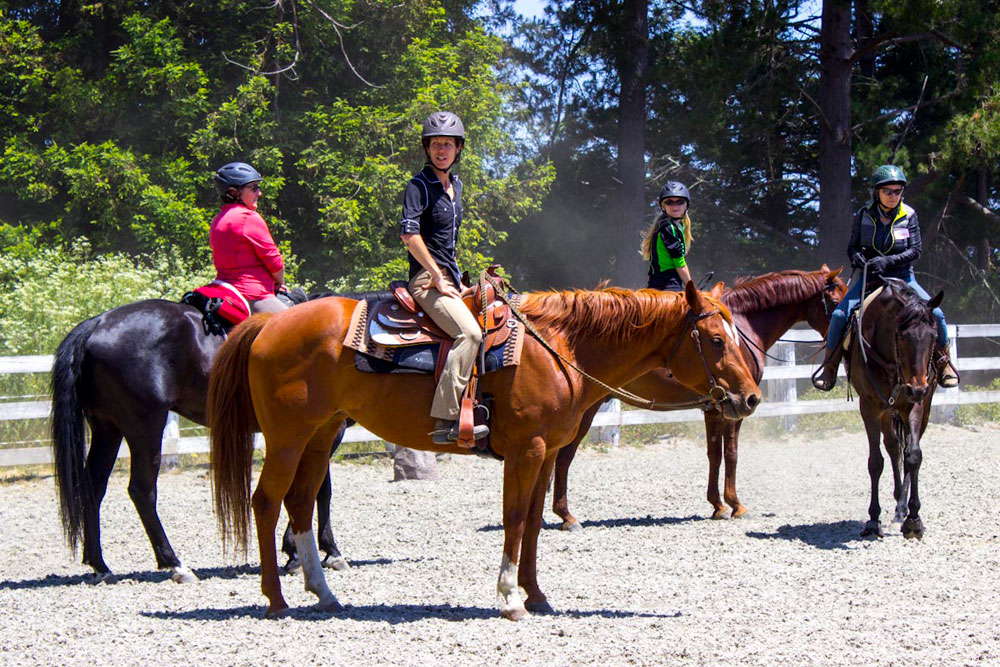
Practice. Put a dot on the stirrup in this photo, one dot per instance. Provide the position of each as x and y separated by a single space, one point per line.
819 382
948 377
448 436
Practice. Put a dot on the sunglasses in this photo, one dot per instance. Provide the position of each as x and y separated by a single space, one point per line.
675 202
892 192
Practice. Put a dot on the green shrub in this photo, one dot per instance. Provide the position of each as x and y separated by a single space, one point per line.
51 290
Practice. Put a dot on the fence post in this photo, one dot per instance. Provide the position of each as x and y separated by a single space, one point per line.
783 390
610 434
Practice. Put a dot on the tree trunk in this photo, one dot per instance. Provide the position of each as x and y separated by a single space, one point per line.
835 131
633 58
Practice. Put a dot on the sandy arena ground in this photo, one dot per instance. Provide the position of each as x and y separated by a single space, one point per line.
651 581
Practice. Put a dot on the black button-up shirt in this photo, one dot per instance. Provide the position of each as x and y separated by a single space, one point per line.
430 212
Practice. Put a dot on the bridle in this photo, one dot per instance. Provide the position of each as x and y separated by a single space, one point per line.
716 396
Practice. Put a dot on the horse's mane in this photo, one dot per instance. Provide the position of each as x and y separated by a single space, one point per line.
912 310
357 296
773 289
607 311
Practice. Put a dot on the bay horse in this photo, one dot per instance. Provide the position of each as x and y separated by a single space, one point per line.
121 373
890 365
763 308
291 374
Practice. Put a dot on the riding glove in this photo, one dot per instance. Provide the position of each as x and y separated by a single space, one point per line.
877 265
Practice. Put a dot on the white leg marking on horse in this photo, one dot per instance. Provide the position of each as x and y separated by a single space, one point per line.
508 589
183 575
312 569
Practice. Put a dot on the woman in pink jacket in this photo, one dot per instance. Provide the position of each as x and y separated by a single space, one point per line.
243 252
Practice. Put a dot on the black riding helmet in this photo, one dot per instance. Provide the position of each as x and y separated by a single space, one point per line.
443 124
234 175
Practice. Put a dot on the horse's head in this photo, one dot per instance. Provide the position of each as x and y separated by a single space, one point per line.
821 307
707 357
915 335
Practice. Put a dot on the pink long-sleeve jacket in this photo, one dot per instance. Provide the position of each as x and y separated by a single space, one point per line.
243 251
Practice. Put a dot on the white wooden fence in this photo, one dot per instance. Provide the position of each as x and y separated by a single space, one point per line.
780 379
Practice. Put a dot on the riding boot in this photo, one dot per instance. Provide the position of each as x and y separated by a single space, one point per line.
825 377
446 431
947 373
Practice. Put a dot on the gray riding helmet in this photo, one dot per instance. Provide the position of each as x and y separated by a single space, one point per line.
674 189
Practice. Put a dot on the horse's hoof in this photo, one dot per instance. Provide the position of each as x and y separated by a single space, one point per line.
872 529
103 578
542 607
515 613
183 575
573 526
913 529
718 515
330 604
336 563
277 611
739 511
293 565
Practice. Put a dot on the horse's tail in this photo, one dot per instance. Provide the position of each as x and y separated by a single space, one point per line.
69 447
231 417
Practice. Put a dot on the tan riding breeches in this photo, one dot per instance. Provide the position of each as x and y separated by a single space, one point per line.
454 317
269 304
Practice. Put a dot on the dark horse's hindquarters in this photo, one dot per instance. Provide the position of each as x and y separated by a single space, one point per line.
123 371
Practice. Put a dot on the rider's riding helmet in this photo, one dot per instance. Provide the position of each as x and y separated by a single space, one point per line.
444 124
886 174
674 189
234 175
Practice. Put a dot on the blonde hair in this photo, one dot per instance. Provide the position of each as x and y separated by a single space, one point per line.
646 248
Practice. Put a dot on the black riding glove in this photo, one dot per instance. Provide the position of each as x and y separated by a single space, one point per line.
857 260
877 265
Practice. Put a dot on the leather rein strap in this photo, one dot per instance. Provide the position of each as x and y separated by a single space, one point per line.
716 394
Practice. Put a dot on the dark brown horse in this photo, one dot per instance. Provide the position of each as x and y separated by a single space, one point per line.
291 375
763 309
891 367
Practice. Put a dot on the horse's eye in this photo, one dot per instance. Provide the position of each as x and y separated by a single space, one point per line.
718 341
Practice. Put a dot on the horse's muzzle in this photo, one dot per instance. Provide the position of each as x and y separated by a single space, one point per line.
739 406
915 394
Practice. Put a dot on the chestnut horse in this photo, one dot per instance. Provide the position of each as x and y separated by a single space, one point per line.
292 373
763 309
895 377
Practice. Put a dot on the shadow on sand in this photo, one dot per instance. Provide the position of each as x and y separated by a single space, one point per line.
385 613
835 535
639 522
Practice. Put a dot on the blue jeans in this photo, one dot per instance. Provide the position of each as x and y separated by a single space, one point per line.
838 320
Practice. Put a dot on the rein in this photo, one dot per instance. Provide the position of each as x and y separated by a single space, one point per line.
716 393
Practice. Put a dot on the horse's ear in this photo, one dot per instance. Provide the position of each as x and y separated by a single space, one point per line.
717 289
936 301
831 275
824 268
693 298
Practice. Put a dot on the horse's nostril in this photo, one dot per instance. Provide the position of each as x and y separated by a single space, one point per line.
753 400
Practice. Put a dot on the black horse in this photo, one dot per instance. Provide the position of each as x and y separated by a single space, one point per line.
123 371
891 367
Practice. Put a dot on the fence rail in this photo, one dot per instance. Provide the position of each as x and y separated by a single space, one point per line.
780 376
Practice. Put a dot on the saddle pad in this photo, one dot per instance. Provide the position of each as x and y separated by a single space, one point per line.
418 359
853 315
360 338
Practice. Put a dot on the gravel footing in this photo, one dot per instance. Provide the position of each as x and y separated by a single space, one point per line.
650 581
